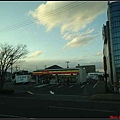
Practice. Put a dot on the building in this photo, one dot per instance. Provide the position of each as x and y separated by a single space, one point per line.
88 68
54 67
56 74
111 50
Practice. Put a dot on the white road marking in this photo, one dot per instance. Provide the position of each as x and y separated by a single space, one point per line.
11 116
50 86
41 85
30 92
95 84
81 109
71 86
60 86
82 86
51 92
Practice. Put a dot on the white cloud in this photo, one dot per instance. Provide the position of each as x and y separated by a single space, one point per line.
26 32
70 16
35 54
99 54
80 39
40 64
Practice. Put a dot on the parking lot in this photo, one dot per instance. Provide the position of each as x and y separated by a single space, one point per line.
86 89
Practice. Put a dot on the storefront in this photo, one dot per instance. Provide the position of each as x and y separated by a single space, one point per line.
59 75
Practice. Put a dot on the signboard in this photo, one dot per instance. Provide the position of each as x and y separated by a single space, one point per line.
61 72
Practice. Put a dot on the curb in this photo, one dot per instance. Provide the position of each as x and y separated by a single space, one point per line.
106 97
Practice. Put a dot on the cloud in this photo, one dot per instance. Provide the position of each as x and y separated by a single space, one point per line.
35 54
99 54
26 32
80 39
40 64
70 16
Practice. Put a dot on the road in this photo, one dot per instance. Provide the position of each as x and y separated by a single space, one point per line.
31 107
36 101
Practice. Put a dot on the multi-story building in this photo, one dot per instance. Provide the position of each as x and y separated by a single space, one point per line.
111 50
88 68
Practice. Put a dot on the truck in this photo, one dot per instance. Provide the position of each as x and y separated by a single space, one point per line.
21 77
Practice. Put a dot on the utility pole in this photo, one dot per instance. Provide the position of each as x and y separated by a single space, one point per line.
67 64
16 68
36 68
45 66
11 63
105 70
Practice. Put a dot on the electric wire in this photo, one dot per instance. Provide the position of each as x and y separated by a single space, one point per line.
30 21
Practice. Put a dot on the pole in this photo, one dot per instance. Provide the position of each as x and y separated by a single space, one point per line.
105 69
11 64
0 71
67 64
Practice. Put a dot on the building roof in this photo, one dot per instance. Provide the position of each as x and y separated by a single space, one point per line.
54 67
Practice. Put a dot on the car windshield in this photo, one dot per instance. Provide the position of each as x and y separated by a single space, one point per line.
59 59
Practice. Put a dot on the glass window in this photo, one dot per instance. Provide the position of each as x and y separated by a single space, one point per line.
116 53
115 7
115 13
114 46
118 46
115 26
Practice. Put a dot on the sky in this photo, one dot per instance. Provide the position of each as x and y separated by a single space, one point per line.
55 32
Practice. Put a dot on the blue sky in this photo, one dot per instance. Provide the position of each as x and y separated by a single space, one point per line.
57 32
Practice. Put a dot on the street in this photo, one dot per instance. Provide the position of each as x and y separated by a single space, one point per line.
31 107
62 100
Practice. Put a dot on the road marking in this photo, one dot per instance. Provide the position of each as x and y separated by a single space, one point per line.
11 116
95 84
71 86
30 92
51 92
82 86
80 109
41 85
50 86
60 86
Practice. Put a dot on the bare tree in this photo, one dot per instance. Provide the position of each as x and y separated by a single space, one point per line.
9 55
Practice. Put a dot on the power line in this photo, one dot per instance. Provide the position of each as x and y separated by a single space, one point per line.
30 21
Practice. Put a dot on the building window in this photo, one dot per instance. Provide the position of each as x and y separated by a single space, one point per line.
115 13
115 19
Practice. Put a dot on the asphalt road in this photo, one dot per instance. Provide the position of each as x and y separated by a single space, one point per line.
36 101
31 107
86 89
